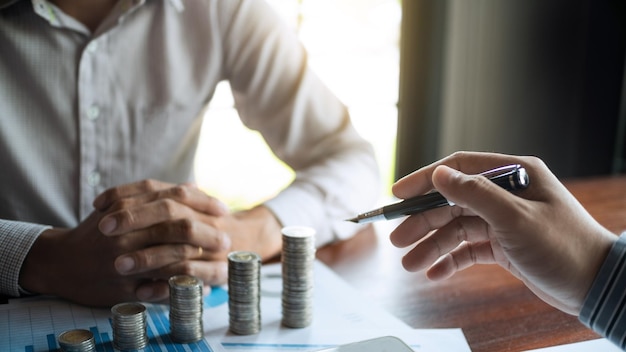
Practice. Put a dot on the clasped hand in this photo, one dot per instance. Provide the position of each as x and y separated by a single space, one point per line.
137 237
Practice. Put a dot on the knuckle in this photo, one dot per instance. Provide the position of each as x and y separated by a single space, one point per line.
180 192
220 239
112 195
168 207
149 185
187 268
460 155
144 260
534 162
474 183
189 251
182 252
461 232
122 203
126 218
214 276
472 254
185 229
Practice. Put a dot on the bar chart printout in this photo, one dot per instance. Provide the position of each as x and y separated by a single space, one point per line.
341 314
35 326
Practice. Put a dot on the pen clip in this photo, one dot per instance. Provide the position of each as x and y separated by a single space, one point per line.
502 171
510 177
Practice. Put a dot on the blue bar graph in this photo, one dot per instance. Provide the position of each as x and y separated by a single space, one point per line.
52 342
107 343
35 327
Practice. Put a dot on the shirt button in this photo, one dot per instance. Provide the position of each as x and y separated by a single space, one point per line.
93 179
92 47
93 112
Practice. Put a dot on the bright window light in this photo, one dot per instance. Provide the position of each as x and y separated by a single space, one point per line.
353 46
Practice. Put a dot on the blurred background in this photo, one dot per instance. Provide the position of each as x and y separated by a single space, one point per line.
424 78
353 46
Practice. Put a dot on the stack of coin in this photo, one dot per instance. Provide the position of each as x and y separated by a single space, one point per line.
298 255
244 292
129 326
78 340
186 308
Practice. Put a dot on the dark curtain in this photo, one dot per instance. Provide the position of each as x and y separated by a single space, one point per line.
528 77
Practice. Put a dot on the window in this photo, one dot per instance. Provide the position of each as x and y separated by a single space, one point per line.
353 45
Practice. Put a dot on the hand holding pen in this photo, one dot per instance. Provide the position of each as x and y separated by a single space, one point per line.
542 235
510 177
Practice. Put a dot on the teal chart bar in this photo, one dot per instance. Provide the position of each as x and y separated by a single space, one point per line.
34 327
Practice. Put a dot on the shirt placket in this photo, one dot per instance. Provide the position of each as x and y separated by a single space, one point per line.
95 109
92 116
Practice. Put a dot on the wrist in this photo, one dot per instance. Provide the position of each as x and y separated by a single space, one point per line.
268 240
37 274
599 252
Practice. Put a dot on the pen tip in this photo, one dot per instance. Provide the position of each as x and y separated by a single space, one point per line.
354 220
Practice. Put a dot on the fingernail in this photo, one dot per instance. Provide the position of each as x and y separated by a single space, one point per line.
224 207
145 293
124 264
108 225
223 270
226 242
206 290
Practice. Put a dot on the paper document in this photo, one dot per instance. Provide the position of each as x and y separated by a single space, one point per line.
341 315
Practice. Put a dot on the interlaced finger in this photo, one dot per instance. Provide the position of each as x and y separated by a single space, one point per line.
155 257
211 272
186 194
181 231
114 194
143 216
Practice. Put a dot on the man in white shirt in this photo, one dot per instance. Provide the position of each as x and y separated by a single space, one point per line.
101 112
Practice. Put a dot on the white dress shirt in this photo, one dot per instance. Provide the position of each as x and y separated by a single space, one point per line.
82 112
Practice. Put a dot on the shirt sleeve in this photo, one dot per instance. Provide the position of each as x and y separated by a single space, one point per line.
303 122
604 307
16 238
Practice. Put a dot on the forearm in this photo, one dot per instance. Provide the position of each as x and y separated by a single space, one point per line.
16 240
324 195
303 122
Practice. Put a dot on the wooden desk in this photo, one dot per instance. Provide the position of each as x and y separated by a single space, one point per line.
494 309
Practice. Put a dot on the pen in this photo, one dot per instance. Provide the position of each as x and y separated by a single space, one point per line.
510 177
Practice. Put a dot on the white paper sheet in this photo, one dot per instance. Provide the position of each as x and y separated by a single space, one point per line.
341 315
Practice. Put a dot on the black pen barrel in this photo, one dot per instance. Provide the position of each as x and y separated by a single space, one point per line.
510 177
414 205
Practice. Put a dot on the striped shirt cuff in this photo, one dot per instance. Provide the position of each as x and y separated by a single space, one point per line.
16 238
603 309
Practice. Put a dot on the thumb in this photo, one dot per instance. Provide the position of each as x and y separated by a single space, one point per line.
474 192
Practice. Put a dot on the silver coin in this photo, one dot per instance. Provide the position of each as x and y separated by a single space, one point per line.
297 258
244 292
186 308
129 326
77 340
